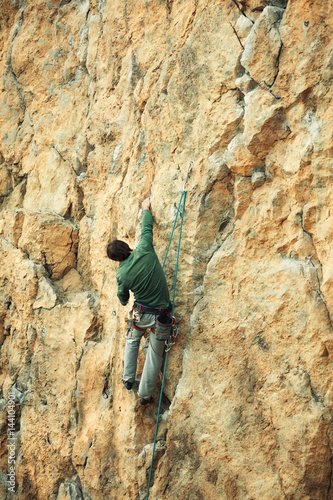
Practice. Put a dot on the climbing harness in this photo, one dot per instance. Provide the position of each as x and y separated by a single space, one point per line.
174 332
164 322
132 316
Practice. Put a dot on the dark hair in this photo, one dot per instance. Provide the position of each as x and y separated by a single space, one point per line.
118 250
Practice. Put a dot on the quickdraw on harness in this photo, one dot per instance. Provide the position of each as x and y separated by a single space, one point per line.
131 317
173 336
174 333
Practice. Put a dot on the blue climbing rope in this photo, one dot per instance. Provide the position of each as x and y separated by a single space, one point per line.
182 199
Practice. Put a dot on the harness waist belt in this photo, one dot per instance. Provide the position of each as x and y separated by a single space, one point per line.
145 308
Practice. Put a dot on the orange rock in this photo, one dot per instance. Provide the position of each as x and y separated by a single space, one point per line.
101 105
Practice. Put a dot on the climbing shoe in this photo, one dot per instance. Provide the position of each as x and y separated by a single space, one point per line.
145 401
128 385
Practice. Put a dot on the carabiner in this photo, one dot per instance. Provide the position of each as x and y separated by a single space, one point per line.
189 170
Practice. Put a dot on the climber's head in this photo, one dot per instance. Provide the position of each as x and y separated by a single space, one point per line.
118 250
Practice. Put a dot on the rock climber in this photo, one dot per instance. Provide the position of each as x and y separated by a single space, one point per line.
140 271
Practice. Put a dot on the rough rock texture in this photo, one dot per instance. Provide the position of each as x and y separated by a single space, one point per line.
101 103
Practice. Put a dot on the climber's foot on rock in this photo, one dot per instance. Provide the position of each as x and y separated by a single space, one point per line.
128 385
144 401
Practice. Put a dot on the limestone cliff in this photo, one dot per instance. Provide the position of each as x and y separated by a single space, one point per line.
101 103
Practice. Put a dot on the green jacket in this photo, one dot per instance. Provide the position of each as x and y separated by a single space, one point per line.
142 272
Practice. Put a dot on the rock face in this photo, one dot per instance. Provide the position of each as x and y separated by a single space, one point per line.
101 103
